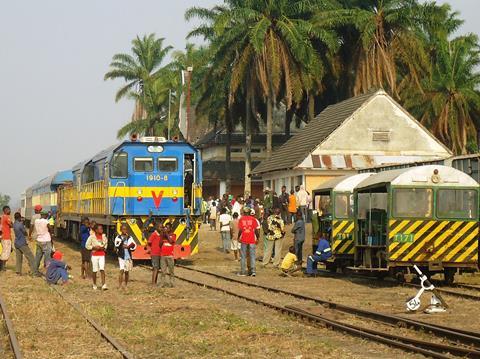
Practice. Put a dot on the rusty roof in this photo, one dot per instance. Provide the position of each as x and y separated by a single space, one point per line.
297 148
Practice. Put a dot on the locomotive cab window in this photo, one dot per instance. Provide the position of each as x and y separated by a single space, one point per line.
457 203
143 164
343 206
119 165
167 164
412 202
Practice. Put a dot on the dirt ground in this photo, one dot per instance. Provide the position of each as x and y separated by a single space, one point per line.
193 322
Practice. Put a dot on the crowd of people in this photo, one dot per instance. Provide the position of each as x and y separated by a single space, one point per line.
243 223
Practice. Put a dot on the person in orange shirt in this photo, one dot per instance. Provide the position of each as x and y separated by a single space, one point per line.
292 206
6 237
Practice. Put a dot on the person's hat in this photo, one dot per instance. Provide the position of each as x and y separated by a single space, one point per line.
246 210
57 255
267 189
38 208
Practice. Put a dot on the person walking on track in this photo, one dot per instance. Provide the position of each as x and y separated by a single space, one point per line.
43 241
248 234
276 232
166 256
98 245
6 237
21 246
124 246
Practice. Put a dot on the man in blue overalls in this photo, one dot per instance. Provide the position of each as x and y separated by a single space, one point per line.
322 253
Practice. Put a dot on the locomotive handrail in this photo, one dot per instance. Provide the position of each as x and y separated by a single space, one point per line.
115 197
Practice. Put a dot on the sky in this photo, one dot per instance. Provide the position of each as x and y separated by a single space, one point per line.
55 108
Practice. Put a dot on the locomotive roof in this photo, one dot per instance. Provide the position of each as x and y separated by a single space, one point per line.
420 176
343 183
55 179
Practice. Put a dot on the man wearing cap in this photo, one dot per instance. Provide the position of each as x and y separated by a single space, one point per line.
43 240
248 233
57 270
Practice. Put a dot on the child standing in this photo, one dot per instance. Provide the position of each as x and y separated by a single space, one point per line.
288 265
213 216
166 256
124 246
235 247
226 229
155 244
57 270
98 245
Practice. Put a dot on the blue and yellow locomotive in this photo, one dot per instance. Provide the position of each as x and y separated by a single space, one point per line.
137 182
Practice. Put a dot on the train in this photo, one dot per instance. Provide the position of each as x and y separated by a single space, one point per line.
386 222
138 182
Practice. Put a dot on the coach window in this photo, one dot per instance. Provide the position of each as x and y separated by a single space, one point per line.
457 203
343 206
119 165
143 164
167 164
412 202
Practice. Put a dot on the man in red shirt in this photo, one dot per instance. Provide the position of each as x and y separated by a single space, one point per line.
166 256
6 237
248 234
155 245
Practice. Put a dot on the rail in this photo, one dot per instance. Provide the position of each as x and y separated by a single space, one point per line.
11 332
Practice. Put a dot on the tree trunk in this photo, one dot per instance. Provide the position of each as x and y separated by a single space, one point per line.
311 107
228 149
248 148
269 125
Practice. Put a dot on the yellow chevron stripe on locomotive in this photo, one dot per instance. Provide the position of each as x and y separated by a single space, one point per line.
342 235
446 241
140 228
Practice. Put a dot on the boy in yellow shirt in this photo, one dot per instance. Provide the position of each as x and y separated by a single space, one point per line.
288 265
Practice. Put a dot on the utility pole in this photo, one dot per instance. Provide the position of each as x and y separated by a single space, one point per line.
189 79
169 103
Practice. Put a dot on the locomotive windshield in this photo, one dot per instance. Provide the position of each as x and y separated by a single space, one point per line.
167 164
457 203
413 202
143 164
119 165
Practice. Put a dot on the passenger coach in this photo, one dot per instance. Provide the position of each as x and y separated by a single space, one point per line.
425 215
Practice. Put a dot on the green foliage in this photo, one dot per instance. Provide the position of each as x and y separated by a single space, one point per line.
4 200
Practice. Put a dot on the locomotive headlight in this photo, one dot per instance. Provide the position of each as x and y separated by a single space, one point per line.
139 192
175 192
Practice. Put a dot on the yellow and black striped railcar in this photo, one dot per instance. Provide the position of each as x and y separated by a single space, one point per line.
425 215
334 208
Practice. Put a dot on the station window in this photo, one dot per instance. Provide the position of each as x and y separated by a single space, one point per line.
412 202
457 203
167 164
119 165
143 164
343 206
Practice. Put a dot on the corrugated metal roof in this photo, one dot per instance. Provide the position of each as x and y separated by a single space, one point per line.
295 150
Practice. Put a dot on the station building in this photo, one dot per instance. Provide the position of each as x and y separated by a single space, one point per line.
368 130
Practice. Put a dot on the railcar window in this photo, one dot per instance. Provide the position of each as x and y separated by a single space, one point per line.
167 164
413 202
457 203
143 164
119 165
343 206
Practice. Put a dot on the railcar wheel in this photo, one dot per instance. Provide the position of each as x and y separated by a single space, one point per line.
449 274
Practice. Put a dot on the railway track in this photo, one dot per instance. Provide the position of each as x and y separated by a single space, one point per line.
15 346
461 343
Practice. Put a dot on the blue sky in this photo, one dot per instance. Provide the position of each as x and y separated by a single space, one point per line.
55 108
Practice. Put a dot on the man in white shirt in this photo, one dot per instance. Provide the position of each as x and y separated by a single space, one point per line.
302 201
44 241
225 229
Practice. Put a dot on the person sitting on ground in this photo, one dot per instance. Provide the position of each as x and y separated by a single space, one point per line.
21 245
322 253
288 265
154 248
124 246
57 270
98 245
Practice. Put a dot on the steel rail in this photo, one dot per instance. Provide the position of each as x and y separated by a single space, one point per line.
112 341
448 292
458 335
407 344
12 337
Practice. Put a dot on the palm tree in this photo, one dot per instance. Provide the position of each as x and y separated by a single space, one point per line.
450 97
379 36
140 70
